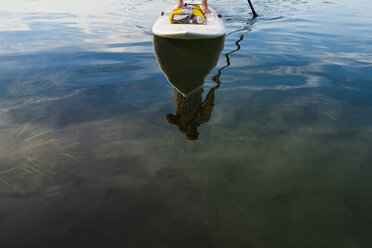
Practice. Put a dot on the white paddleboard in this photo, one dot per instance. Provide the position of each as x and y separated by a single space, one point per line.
213 27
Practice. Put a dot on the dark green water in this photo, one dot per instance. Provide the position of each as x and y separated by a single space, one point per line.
97 149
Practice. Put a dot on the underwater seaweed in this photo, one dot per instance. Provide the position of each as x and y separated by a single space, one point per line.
31 156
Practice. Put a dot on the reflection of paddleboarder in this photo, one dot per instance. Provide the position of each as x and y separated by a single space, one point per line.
201 56
191 111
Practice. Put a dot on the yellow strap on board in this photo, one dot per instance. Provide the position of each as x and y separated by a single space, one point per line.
184 15
197 11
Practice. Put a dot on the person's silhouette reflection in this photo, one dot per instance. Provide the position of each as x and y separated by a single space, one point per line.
186 63
191 111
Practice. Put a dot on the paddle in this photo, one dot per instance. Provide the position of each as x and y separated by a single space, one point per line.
253 12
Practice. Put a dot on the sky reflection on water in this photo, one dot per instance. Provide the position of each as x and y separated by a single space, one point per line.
88 158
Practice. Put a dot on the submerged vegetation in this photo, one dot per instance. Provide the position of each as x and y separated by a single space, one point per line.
31 157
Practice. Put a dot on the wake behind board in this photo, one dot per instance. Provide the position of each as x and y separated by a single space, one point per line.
212 28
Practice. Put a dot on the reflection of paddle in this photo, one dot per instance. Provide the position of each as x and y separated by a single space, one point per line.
253 12
216 78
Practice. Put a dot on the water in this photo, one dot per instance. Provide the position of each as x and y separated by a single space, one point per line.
89 157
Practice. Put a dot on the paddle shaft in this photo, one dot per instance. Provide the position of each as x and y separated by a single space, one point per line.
253 12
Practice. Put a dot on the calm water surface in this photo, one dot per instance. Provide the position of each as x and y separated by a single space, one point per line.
97 149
